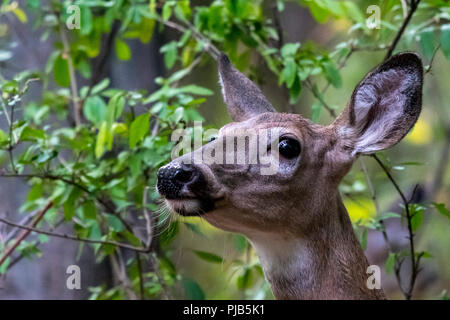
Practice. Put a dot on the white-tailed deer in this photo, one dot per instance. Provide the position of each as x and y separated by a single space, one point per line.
295 218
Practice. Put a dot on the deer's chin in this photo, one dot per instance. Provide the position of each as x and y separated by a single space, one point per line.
190 206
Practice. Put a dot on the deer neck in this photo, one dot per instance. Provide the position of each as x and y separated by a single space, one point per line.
326 264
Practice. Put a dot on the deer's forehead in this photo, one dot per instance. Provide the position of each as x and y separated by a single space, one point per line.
283 122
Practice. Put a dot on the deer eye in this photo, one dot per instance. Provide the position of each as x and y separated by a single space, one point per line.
289 148
212 138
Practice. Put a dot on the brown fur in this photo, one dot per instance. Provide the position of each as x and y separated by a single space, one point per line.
296 219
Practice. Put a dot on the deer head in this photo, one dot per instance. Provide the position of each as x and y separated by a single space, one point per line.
295 217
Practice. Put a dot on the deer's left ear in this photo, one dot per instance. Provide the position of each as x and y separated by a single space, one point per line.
384 106
243 98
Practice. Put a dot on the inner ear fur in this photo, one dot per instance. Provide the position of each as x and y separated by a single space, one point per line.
384 106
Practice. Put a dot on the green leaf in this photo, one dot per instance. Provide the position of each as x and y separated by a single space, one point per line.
353 12
240 242
319 13
104 136
69 204
30 134
178 114
132 238
280 5
138 129
169 233
445 40
43 238
35 192
207 256
364 239
170 54
177 76
440 207
193 290
86 22
289 49
61 72
99 87
289 73
11 87
115 224
424 254
427 42
89 210
416 220
390 263
147 28
95 110
4 266
245 280
4 138
195 89
115 107
123 51
51 61
316 111
332 74
20 15
167 11
295 91
388 215
194 228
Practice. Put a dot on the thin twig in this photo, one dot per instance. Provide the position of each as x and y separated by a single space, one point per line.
428 70
414 262
141 278
72 76
209 47
72 237
19 258
413 7
278 27
148 218
383 226
105 204
119 271
11 142
316 94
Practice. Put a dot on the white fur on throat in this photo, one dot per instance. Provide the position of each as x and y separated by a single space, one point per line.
281 257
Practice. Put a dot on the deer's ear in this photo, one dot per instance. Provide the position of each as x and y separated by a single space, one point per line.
384 105
243 98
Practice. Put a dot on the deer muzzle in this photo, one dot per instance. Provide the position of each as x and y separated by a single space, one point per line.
185 189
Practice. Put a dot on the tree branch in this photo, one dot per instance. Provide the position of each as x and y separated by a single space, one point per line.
73 78
414 262
25 234
71 237
209 47
413 7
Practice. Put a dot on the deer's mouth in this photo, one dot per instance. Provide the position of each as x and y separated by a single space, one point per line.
191 206
185 189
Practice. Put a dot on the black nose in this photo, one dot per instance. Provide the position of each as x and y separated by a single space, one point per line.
172 178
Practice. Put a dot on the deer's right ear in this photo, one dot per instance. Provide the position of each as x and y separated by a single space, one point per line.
243 98
384 106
